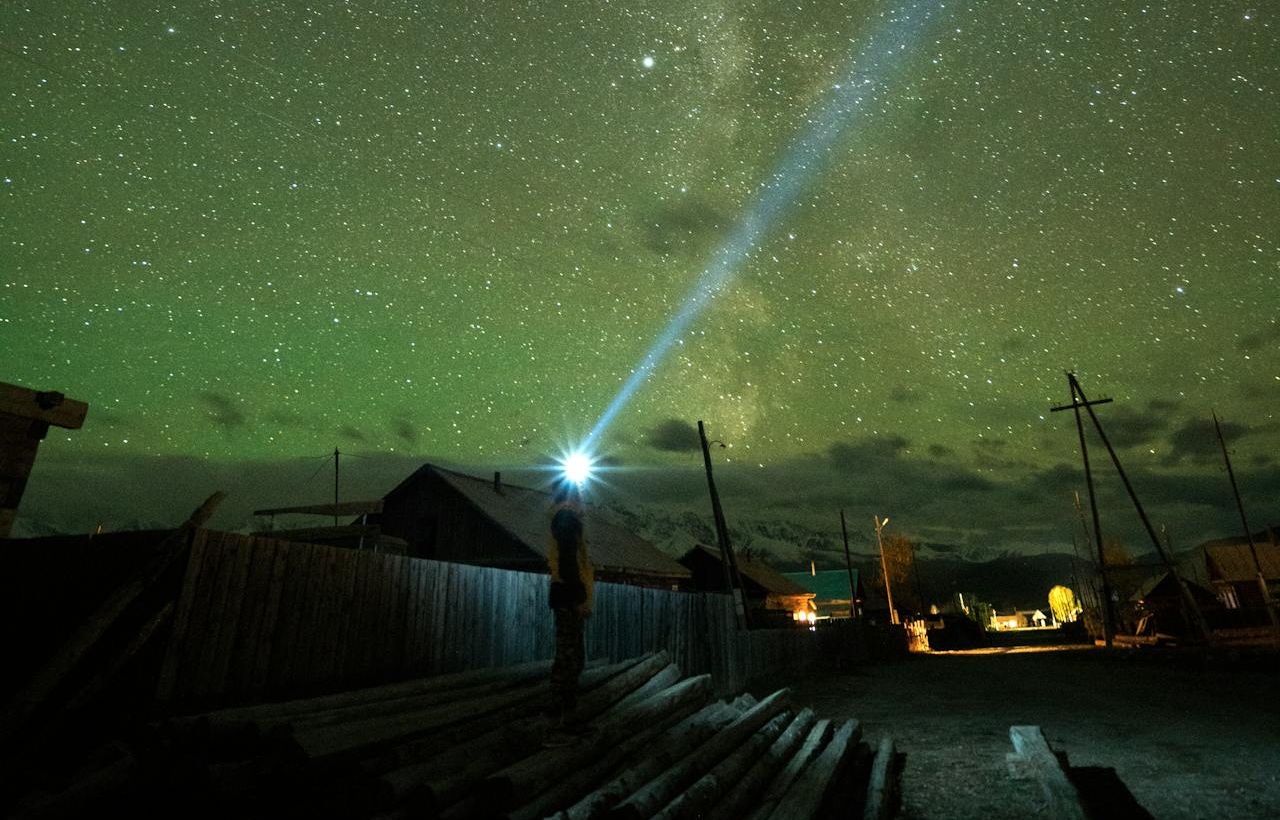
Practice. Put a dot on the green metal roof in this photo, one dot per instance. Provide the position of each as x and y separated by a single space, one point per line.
827 584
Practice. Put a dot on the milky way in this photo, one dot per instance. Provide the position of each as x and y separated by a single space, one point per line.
253 232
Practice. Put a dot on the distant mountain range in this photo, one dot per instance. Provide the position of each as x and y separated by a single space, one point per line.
1005 580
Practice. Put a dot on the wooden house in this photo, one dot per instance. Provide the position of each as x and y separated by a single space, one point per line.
772 598
448 516
1232 572
1158 608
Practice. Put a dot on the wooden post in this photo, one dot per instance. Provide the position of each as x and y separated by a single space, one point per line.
732 578
848 563
1198 618
1077 401
884 568
25 417
1253 547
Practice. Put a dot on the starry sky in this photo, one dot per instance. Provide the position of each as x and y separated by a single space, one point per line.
249 233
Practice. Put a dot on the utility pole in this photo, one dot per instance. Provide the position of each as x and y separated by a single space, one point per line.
733 580
848 562
1244 522
1188 600
1077 401
335 486
884 568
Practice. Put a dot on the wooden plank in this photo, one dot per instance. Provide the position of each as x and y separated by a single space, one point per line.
30 697
399 626
341 508
305 639
49 407
341 628
257 588
215 615
883 787
292 596
420 657
1032 759
198 629
175 658
269 635
230 639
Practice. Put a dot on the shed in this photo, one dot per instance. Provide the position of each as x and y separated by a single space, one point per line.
449 516
1158 605
1234 574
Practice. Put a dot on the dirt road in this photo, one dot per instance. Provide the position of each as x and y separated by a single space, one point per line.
1191 738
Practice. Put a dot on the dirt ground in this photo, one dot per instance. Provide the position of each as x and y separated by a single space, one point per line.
1191 737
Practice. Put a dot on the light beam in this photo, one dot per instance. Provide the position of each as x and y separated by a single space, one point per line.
803 159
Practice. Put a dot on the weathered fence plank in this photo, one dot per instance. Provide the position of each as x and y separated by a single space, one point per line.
261 618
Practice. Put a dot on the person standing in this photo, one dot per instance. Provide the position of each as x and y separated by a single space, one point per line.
571 597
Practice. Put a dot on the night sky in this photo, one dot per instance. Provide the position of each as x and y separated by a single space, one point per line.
249 233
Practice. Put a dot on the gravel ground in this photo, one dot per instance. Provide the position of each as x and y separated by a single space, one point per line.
1191 737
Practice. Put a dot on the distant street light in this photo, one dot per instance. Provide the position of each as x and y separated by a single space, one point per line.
884 567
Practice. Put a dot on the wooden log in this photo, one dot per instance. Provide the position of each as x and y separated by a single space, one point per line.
446 750
446 688
505 745
54 671
669 676
738 802
783 780
810 789
83 797
659 791
126 653
883 786
653 740
1032 758
367 735
519 782
695 800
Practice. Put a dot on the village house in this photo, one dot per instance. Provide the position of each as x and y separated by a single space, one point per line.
448 516
1228 567
1158 608
772 599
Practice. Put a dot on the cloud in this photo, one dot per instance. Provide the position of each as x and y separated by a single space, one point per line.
685 228
905 395
348 433
223 411
1197 441
404 430
1127 427
1265 339
674 436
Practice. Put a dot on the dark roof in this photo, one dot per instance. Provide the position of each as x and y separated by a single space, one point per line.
758 572
827 584
1234 562
1162 584
522 512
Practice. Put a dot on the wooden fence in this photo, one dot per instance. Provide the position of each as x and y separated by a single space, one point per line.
260 619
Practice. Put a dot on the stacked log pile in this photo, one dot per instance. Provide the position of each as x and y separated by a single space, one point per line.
474 745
